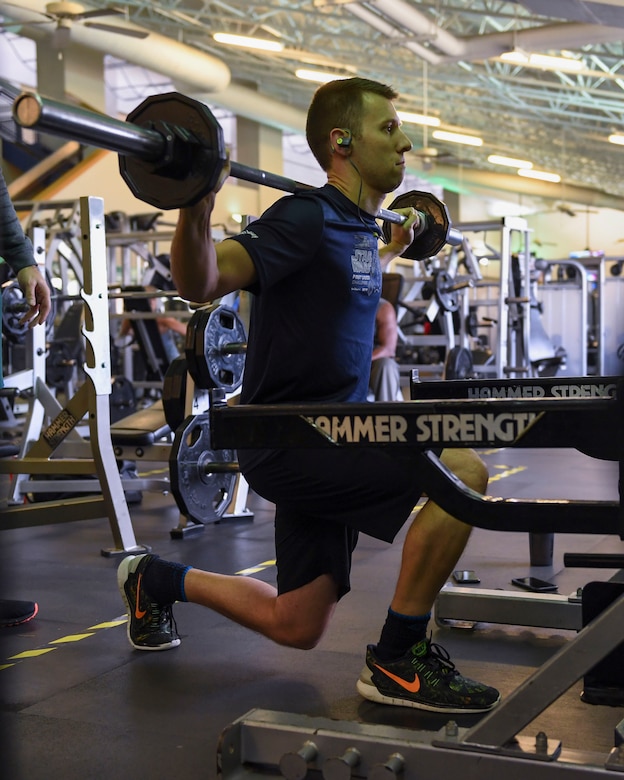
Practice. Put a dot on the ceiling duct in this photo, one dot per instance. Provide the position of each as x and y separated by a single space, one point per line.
440 42
253 105
201 71
609 13
208 79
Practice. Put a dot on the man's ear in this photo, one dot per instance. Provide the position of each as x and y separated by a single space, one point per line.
341 140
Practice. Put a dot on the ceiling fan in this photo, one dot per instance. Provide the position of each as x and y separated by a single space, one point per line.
65 13
429 156
566 208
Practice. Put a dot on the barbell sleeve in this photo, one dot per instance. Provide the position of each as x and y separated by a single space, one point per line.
74 123
233 348
220 467
454 237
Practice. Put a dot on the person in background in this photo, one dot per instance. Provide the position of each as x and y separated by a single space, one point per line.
168 327
385 378
17 251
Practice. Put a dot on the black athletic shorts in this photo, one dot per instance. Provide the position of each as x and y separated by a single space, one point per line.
323 498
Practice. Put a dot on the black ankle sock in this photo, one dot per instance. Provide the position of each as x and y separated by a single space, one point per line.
164 580
400 632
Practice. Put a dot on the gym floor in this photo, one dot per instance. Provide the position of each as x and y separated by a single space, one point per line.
78 702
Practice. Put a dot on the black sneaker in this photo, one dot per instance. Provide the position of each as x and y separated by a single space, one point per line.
14 613
424 678
150 625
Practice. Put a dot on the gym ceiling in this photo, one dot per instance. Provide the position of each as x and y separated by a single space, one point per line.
443 56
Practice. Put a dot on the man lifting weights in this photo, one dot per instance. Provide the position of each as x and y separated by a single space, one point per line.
321 246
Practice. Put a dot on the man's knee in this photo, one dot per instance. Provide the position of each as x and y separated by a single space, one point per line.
302 615
301 631
301 637
467 466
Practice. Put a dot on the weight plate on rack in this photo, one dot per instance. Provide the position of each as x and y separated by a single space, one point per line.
215 348
200 494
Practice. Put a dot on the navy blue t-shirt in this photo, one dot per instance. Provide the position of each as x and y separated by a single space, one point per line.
314 302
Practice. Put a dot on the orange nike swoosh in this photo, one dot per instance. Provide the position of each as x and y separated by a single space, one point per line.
410 687
139 613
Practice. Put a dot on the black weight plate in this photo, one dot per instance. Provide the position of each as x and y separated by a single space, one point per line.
458 364
60 364
211 361
202 496
435 234
446 297
122 398
194 347
198 160
14 307
174 392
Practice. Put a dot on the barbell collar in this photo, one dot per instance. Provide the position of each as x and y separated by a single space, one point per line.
17 308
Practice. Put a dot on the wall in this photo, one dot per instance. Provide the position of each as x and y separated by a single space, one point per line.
557 228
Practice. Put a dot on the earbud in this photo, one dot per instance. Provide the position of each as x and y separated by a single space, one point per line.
344 140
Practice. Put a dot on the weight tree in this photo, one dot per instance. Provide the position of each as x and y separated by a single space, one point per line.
92 400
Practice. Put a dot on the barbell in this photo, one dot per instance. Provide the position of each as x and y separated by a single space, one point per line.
172 152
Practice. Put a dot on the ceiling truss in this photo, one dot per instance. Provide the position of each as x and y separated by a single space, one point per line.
558 120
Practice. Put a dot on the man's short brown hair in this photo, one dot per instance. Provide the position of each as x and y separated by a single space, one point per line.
339 103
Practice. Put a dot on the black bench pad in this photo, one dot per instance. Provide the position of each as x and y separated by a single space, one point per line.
142 428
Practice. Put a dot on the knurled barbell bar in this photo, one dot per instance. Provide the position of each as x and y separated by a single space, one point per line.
172 151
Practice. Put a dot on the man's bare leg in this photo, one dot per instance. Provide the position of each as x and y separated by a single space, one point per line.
297 618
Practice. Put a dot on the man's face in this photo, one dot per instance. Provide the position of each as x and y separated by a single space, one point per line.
379 152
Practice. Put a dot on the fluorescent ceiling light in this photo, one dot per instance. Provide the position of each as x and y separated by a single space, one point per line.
320 76
457 138
503 208
418 119
515 57
542 175
542 61
555 63
497 159
248 42
617 139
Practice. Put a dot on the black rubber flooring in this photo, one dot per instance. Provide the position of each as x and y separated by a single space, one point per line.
78 702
